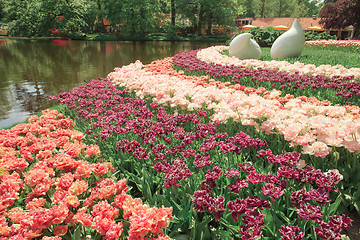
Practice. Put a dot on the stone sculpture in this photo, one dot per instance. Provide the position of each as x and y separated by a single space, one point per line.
243 47
290 43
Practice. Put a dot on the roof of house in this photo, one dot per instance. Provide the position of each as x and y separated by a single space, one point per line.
286 21
106 22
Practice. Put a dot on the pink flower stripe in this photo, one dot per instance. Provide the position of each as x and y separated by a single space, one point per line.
303 121
41 164
214 55
337 43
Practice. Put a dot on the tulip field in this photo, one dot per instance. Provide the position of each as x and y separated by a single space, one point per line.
195 146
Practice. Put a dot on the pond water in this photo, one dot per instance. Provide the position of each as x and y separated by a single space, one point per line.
31 71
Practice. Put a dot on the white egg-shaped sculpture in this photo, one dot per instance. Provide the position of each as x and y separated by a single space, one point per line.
243 47
290 43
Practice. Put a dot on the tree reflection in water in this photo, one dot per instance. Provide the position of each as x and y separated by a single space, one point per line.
31 71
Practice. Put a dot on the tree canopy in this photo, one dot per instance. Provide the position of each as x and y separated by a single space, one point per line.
37 17
280 8
341 14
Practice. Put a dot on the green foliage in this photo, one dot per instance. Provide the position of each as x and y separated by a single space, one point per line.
305 8
264 38
79 15
311 36
2 13
36 18
137 16
209 12
29 19
101 37
280 8
77 35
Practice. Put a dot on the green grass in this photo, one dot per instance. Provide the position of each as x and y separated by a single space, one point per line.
317 55
149 37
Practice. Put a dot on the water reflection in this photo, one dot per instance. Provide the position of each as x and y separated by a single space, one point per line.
30 71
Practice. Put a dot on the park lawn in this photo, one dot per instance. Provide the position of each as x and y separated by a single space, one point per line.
317 55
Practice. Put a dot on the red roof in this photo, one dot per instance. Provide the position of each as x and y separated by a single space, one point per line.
106 22
287 21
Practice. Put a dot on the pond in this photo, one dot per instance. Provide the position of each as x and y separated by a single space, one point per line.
31 71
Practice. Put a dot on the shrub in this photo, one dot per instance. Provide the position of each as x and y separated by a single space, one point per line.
266 37
311 36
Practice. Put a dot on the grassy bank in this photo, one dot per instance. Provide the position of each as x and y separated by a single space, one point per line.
317 55
129 37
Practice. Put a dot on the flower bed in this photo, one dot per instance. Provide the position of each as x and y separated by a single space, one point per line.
311 124
237 185
213 55
52 185
337 43
178 142
339 90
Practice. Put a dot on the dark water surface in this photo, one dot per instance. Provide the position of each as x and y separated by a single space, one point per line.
31 71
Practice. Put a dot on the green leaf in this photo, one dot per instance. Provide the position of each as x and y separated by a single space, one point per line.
77 233
178 207
334 206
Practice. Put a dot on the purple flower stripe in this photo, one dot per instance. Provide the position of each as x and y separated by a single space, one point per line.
291 233
343 86
113 112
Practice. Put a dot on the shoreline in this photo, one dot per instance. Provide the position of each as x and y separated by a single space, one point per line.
118 37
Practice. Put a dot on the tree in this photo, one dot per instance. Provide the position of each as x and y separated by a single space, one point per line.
209 12
249 8
305 8
280 8
284 8
137 16
2 13
341 14
173 12
262 4
79 15
36 17
99 15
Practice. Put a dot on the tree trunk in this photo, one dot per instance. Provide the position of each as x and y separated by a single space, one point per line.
280 8
100 17
262 10
208 30
173 12
200 20
141 27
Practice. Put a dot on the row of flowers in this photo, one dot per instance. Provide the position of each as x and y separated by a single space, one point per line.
229 176
52 185
296 83
337 43
303 121
214 55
